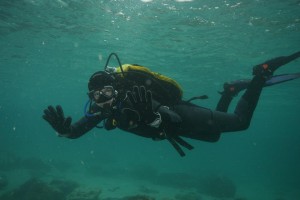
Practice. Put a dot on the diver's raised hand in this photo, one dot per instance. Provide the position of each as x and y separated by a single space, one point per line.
55 117
141 101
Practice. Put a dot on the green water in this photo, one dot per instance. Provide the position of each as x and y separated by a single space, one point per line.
49 49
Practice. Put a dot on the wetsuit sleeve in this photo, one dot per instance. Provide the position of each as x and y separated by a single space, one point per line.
83 125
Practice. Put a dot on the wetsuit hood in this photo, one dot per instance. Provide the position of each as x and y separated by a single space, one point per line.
100 79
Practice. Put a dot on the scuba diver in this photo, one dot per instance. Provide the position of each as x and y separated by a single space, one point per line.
148 104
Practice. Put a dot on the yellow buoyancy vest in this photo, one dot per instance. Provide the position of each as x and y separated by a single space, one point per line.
164 89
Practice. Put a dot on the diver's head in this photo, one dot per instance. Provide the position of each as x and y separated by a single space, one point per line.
101 88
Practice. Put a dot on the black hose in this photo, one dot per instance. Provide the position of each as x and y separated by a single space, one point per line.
109 57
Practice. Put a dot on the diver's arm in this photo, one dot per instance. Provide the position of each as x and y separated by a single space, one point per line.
62 125
82 126
86 123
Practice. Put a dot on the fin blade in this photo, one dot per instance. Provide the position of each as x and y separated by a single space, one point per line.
281 78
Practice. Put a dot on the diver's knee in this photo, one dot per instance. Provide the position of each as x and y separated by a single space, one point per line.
244 125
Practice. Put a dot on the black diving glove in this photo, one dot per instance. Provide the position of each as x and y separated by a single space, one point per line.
141 101
56 118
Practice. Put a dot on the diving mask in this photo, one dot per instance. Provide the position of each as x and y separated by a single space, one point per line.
102 95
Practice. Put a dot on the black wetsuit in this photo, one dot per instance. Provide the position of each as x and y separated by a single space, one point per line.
186 119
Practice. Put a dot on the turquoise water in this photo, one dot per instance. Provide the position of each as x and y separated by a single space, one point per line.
49 49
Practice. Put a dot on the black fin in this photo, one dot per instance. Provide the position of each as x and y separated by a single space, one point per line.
281 78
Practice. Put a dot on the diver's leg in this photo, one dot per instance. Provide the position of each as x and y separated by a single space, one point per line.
227 95
204 124
240 119
267 68
224 103
248 101
231 89
197 122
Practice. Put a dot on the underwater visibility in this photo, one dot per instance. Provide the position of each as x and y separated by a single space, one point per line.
211 86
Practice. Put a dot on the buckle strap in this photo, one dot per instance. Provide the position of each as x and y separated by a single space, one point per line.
176 141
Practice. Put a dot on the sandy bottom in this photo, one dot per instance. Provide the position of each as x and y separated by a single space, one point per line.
117 188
